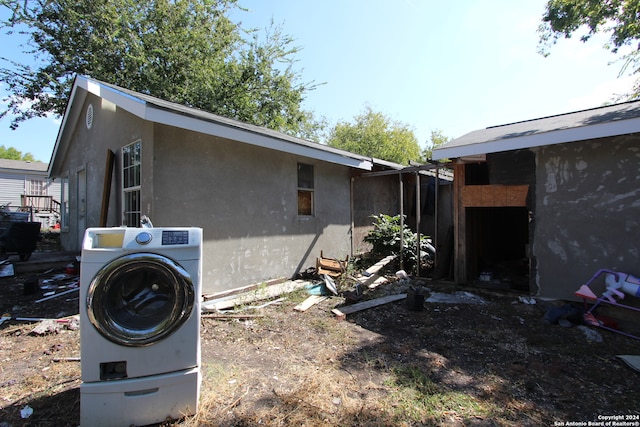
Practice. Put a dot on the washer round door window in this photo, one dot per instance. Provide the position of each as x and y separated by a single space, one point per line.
139 299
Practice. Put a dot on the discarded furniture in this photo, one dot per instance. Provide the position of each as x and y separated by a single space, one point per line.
331 266
20 238
617 285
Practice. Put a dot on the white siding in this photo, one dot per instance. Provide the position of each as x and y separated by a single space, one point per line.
11 188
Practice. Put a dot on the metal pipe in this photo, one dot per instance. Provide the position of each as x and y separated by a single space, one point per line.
418 213
401 220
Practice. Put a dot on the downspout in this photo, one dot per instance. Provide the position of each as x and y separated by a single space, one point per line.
351 213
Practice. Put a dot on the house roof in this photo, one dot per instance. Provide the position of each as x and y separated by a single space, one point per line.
607 121
172 114
22 166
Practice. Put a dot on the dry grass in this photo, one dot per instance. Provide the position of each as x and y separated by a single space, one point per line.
495 364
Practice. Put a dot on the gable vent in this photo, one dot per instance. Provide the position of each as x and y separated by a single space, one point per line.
89 118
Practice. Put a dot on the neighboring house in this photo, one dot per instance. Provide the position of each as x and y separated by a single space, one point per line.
26 193
541 205
268 203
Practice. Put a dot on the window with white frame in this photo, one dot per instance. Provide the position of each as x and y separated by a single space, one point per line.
131 178
37 187
305 189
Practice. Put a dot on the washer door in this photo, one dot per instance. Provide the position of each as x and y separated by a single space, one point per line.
139 299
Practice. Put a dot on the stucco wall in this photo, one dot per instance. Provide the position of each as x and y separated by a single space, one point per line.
372 196
587 212
245 199
111 129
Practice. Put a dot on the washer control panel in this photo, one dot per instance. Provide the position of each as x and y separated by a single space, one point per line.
132 238
175 237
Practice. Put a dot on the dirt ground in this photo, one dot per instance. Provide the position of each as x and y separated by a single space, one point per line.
479 357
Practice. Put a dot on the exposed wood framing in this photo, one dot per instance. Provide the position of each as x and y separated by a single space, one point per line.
459 222
469 196
106 189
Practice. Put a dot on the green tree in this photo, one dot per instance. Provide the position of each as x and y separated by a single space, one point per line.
185 51
437 139
375 135
14 154
616 18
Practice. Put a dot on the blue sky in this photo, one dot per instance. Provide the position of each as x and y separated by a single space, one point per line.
452 66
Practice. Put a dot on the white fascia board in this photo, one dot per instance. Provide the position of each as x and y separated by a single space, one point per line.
70 117
253 138
601 130
142 109
127 102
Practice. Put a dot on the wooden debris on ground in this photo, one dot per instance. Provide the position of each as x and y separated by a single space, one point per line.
231 316
310 302
331 266
243 289
341 313
259 293
370 278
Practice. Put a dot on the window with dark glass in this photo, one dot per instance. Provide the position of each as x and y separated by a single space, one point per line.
131 178
305 189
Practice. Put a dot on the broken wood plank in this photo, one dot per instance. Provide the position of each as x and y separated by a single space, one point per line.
377 281
231 316
261 293
372 279
375 268
342 312
310 302
243 289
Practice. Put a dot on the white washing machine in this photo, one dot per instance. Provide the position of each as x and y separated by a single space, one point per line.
140 294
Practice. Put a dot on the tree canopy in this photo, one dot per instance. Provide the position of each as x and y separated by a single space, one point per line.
12 153
185 51
376 135
616 18
437 139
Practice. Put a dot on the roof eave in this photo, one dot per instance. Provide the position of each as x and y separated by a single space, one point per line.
583 133
242 132
223 130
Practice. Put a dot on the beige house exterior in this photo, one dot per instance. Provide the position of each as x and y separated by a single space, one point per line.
268 203
555 197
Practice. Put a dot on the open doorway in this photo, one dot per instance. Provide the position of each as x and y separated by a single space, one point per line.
497 247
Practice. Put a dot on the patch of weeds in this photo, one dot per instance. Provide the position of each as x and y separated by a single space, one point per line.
373 360
322 325
391 235
297 296
329 328
417 398
266 322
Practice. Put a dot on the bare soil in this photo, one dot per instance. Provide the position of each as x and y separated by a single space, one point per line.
487 359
